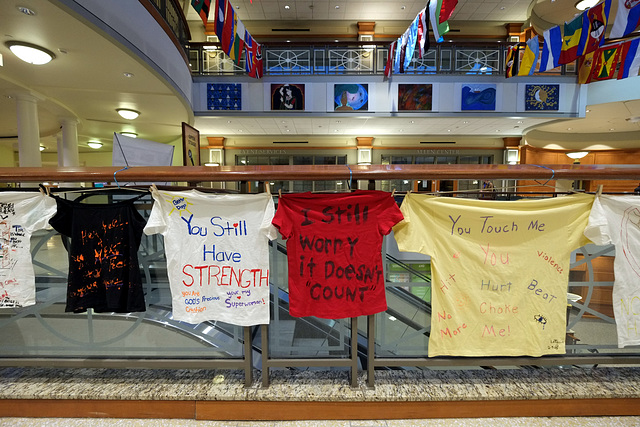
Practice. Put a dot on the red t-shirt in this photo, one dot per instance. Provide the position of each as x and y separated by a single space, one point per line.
334 244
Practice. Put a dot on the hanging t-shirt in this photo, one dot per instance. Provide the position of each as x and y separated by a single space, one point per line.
217 248
334 244
500 270
616 220
104 273
21 214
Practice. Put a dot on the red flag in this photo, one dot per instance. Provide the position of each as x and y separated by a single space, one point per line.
597 17
605 62
388 67
228 32
256 66
448 6
423 32
219 15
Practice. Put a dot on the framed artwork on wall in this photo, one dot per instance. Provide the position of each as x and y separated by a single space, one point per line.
224 96
541 97
351 97
286 97
478 97
413 97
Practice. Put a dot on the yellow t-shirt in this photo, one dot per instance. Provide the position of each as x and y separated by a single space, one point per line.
499 270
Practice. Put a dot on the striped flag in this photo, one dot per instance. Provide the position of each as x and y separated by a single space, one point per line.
388 67
630 64
597 18
573 39
436 13
530 57
551 48
423 32
202 7
221 7
627 18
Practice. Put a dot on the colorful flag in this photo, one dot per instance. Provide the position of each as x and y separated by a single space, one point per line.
627 18
398 61
435 12
605 62
551 48
530 57
585 66
229 31
388 67
250 48
221 6
423 32
256 66
446 10
597 18
202 7
511 65
573 40
238 41
412 38
630 64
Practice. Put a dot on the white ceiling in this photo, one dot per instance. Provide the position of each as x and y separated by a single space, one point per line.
86 82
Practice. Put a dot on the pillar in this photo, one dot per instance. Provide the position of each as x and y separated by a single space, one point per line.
69 153
28 131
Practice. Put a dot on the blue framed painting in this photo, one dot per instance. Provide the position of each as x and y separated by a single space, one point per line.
478 97
224 96
542 98
351 97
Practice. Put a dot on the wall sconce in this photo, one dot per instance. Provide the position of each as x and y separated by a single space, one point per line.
42 148
94 144
576 156
31 53
127 113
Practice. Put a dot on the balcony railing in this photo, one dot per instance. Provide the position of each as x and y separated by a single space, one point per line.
358 58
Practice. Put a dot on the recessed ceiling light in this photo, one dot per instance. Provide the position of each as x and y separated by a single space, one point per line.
127 113
287 7
94 144
412 121
502 8
128 75
31 53
520 121
569 128
466 122
337 7
403 7
611 129
129 134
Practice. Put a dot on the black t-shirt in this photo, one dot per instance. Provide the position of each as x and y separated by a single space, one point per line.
104 273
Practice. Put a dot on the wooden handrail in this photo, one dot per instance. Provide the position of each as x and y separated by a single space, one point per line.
317 173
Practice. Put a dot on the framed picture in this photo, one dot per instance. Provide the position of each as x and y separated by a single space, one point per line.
190 145
287 97
224 96
351 97
478 97
412 97
542 97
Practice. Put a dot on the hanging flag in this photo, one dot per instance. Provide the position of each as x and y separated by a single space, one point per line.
388 67
597 18
412 38
229 31
530 57
221 7
573 39
398 61
238 41
630 63
423 32
605 62
511 65
202 7
439 28
256 66
585 66
446 10
551 48
250 48
627 18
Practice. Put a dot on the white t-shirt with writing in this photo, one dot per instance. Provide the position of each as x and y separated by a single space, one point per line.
21 214
616 220
217 254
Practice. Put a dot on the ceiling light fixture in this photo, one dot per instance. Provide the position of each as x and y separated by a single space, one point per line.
27 11
42 148
586 4
31 53
94 144
577 155
129 134
127 113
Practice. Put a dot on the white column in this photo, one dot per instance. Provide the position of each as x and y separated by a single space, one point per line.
28 131
69 154
60 149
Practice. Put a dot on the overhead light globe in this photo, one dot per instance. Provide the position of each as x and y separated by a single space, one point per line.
127 113
586 4
576 155
94 144
30 53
